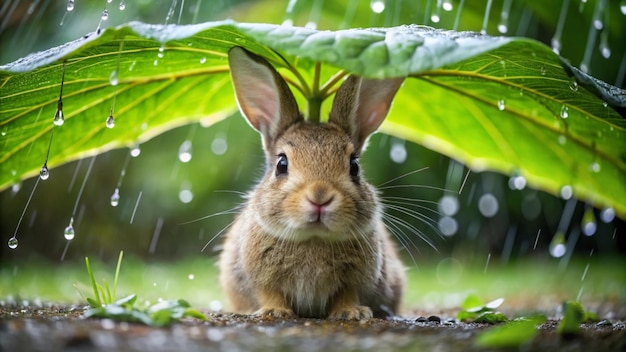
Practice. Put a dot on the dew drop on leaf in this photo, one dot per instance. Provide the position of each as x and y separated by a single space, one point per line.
562 139
573 85
44 173
543 70
110 122
501 105
595 166
115 198
564 112
203 60
13 243
114 78
105 15
190 276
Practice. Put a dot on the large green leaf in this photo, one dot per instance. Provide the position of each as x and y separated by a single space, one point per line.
492 103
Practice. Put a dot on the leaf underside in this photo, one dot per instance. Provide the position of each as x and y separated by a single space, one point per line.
493 103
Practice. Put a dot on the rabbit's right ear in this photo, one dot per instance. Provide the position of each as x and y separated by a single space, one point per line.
262 94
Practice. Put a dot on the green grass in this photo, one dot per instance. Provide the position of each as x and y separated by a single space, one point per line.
437 286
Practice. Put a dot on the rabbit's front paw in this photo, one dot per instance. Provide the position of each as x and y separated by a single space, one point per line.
351 313
280 313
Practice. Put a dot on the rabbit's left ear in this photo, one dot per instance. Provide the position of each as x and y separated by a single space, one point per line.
361 105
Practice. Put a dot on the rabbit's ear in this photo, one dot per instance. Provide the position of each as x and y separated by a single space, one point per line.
361 106
263 96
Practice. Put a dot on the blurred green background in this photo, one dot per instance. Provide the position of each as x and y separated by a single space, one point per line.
170 210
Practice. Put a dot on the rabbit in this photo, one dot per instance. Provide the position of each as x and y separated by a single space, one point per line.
310 240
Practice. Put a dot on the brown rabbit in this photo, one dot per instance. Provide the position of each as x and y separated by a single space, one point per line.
310 241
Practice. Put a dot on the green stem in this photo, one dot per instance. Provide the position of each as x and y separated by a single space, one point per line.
117 274
93 283
315 107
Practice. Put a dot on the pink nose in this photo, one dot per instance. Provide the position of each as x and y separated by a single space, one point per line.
320 206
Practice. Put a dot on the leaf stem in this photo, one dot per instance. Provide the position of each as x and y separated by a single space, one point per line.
327 89
94 286
117 273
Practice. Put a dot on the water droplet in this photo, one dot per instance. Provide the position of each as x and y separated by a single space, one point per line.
622 7
13 243
517 182
398 153
135 151
161 51
113 78
59 120
448 205
488 205
70 5
110 122
310 25
109 1
501 105
69 232
203 60
185 195
503 27
435 18
562 139
605 104
598 24
566 192
543 70
588 223
190 276
448 226
115 198
155 63
122 5
105 15
556 45
573 84
219 146
564 112
595 166
44 173
377 6
605 50
447 5
184 152
607 215
557 245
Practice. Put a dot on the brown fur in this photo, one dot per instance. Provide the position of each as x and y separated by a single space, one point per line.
282 256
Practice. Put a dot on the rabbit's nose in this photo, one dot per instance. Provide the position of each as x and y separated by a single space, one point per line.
319 207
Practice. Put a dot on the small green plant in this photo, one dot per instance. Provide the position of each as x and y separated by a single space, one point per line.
475 311
512 334
574 314
104 304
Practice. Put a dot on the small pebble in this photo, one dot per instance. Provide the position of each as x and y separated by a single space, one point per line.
604 323
421 320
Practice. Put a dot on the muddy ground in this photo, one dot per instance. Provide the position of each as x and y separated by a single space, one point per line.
48 327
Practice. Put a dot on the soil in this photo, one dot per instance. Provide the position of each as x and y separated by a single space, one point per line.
49 327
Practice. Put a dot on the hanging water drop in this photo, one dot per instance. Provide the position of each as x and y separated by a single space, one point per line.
135 151
122 5
566 192
44 173
377 6
573 84
501 105
398 153
447 5
110 122
115 197
622 7
70 5
564 112
447 226
105 15
588 223
604 44
13 243
185 195
503 26
488 205
161 52
435 17
59 120
114 78
517 183
483 30
184 151
448 205
557 245
607 215
69 230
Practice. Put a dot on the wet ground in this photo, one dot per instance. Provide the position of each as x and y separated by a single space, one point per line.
47 327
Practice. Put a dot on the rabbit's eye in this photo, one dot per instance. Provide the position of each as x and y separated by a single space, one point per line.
281 165
355 170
